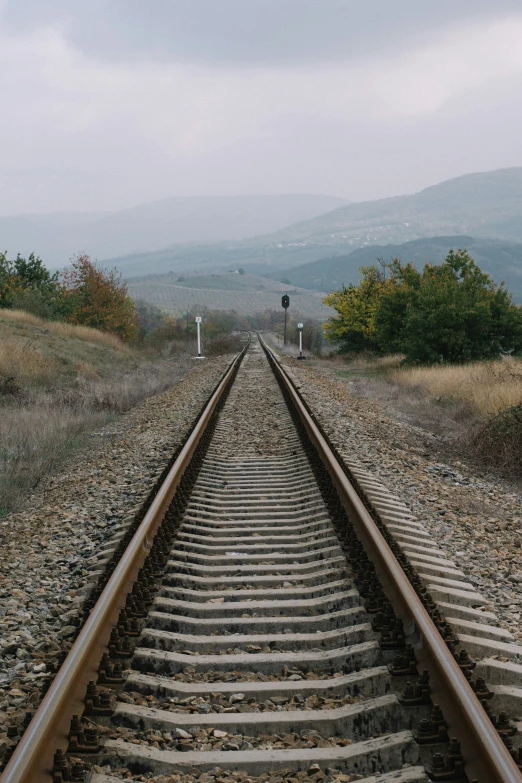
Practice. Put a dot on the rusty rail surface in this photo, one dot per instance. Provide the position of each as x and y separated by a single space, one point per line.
487 760
33 758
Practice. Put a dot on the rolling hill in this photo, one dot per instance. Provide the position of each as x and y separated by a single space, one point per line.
246 294
501 260
484 206
149 227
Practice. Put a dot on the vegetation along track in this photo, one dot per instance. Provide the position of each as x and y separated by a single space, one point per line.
259 626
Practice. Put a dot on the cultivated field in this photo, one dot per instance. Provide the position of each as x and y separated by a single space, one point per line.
247 294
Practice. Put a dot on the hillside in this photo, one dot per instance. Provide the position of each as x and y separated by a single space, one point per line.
215 257
502 260
58 383
485 206
63 387
246 294
155 225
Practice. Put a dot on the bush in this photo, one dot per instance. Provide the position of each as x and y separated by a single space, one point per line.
34 302
149 317
98 298
447 313
26 284
229 343
167 330
499 442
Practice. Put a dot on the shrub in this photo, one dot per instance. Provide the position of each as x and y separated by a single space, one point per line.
452 312
230 343
26 284
499 441
98 298
149 317
34 302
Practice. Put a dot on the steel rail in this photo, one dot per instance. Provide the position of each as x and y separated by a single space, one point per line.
48 731
487 759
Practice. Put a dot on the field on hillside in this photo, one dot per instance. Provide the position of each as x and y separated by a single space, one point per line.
247 294
230 281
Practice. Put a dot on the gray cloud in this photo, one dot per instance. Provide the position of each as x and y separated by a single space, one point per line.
246 32
112 104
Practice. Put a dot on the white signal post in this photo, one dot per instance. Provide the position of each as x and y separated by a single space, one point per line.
198 324
300 327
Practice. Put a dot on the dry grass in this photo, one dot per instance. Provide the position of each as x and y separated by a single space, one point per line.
40 428
475 410
34 440
375 364
23 363
58 382
63 330
486 387
117 393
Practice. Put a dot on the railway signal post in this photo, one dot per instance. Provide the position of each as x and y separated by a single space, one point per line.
198 325
285 302
300 328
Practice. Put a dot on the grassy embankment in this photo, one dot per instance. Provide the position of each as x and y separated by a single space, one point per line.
477 406
59 383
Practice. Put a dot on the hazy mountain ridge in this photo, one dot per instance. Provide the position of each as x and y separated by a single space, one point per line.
487 204
155 225
501 260
484 205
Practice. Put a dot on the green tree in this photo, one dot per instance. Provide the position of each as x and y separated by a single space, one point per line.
397 297
451 312
27 284
459 315
354 326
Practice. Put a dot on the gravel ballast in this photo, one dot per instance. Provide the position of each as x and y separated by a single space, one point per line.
476 521
49 550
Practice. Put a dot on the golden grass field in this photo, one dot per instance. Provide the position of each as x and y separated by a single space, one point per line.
63 330
487 387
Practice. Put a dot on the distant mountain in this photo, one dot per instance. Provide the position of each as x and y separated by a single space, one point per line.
482 205
487 205
501 260
57 237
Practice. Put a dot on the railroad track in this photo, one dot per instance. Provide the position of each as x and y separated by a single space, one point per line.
259 626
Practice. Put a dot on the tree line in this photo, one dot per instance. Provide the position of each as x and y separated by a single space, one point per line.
84 294
88 295
451 312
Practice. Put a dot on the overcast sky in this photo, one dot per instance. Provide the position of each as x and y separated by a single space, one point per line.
113 103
